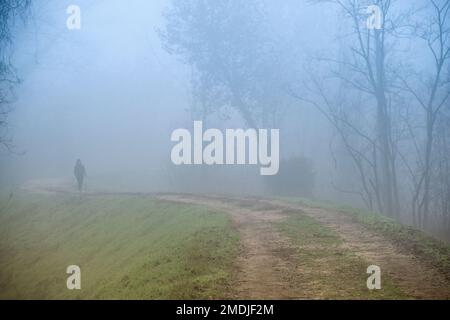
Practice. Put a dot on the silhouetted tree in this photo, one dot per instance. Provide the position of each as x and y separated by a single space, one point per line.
9 11
234 63
431 91
363 68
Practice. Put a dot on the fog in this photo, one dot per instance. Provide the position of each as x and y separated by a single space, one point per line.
109 94
112 92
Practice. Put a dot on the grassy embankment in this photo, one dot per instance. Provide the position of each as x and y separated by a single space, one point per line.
127 247
336 271
407 238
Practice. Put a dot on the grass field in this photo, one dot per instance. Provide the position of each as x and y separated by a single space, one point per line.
128 247
179 246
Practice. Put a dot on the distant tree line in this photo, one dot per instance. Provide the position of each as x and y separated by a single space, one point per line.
385 91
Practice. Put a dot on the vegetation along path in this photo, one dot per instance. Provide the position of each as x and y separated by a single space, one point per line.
150 245
290 249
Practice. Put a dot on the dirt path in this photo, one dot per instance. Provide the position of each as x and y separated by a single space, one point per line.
267 264
412 275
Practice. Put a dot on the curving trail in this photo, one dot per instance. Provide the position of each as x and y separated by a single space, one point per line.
268 266
265 264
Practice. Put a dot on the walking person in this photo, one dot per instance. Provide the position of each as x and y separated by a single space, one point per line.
80 174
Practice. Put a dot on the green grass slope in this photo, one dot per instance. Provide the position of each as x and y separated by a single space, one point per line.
127 248
408 238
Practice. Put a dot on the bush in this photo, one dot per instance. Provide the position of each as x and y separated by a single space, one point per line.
295 178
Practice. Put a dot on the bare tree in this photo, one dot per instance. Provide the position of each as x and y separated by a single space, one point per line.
431 91
440 189
234 64
365 68
9 11
351 127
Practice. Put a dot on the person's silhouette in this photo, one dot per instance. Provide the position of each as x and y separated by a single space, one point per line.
80 173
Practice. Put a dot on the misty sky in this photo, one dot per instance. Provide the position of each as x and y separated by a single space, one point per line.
110 95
